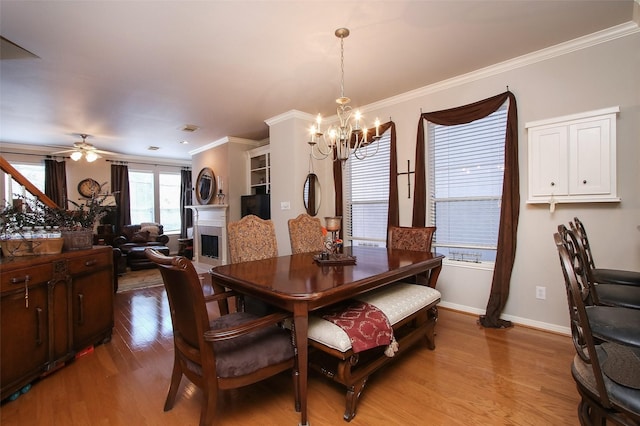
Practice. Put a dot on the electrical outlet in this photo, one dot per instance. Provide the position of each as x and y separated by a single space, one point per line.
541 293
285 205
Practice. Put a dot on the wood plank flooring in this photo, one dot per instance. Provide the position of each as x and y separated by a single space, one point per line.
475 376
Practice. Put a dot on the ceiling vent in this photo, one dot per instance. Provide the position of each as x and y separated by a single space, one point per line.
190 128
153 148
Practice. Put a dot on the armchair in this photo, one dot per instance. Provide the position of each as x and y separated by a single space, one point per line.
142 235
133 239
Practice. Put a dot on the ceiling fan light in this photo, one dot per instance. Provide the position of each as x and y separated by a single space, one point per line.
91 156
76 155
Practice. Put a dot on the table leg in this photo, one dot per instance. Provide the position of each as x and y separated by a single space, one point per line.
301 325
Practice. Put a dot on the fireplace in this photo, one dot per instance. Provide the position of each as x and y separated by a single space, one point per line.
210 234
210 241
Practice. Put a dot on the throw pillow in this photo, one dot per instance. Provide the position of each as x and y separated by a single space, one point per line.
153 231
140 237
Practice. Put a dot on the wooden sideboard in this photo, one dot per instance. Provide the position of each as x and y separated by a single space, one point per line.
52 307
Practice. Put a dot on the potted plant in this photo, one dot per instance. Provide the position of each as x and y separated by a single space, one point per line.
28 226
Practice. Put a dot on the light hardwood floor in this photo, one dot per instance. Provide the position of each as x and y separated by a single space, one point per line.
475 376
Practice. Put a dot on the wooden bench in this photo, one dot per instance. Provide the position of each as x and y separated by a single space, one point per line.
412 313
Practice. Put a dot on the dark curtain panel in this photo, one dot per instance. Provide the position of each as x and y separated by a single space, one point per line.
186 189
393 214
510 210
120 190
55 181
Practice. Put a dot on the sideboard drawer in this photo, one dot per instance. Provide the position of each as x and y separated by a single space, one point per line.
89 263
12 280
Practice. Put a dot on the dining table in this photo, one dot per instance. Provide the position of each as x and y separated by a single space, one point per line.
302 283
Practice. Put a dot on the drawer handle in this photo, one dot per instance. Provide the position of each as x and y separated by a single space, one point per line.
25 280
39 319
20 280
553 184
91 262
80 309
584 181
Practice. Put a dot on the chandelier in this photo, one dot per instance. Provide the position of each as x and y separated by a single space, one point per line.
347 137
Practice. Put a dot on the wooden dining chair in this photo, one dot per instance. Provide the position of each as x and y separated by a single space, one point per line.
604 360
602 275
627 296
305 234
228 352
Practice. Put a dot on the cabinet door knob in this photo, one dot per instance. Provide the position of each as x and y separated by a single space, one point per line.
584 181
553 184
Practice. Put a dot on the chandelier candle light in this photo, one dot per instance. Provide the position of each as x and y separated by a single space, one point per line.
348 137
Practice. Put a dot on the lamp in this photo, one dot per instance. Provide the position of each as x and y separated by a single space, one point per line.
346 138
90 156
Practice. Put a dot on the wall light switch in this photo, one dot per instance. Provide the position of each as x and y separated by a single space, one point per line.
285 205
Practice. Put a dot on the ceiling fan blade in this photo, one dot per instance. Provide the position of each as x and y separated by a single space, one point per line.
65 151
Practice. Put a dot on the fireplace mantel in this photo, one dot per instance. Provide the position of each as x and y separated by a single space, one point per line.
210 215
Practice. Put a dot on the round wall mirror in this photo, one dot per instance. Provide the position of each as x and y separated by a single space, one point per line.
311 194
205 186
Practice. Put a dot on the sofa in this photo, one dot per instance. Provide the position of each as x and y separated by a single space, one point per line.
134 238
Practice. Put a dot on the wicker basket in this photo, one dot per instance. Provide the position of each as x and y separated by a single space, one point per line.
31 247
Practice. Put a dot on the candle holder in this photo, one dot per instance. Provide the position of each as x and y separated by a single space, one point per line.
333 226
220 197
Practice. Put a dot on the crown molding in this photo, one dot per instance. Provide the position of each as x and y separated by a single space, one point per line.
604 36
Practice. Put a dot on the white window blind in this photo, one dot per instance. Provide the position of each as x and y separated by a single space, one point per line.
466 169
366 192
141 192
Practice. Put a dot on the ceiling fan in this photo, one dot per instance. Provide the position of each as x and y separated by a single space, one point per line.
84 149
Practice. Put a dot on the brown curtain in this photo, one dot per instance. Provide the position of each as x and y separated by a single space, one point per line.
120 190
393 218
510 209
186 189
55 181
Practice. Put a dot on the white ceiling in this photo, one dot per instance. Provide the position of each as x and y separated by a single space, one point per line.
134 73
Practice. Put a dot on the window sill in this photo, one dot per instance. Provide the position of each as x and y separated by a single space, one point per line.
485 266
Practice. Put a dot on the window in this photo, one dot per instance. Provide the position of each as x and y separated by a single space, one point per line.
155 197
466 168
34 172
169 197
366 191
142 199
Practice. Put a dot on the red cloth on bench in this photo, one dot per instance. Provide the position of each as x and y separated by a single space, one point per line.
366 325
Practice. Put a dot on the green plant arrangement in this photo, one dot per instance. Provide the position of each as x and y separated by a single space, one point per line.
28 226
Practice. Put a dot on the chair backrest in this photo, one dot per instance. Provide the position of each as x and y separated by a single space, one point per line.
305 234
411 238
251 238
186 302
581 268
578 228
581 333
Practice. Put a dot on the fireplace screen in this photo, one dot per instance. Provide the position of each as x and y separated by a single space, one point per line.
210 240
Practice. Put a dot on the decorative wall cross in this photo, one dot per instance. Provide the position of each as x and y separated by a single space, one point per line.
408 173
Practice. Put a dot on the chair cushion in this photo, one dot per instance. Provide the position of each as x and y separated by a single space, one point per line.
397 302
615 324
239 356
140 237
622 396
627 296
616 276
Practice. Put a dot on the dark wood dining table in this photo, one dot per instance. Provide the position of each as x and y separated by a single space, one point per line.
299 284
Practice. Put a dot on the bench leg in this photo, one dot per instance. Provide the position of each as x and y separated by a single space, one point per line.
353 395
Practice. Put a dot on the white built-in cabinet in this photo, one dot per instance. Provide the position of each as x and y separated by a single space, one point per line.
259 170
572 159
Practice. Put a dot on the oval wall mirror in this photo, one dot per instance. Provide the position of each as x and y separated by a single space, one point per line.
205 186
311 194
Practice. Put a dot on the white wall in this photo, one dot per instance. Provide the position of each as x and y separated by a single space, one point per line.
545 85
